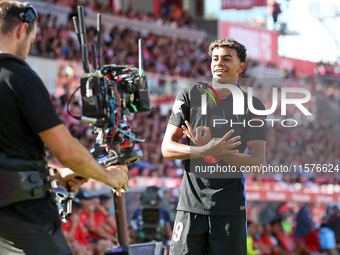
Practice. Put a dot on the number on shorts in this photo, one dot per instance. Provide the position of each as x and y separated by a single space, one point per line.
177 231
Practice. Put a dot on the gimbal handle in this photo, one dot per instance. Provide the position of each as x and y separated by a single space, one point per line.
120 212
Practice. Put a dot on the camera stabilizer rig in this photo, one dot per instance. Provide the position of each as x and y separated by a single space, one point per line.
109 94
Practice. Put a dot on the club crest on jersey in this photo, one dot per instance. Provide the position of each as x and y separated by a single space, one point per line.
176 108
213 117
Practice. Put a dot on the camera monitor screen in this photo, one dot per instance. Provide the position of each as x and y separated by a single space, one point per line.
146 249
154 248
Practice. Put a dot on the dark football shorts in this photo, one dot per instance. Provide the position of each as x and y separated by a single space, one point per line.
197 234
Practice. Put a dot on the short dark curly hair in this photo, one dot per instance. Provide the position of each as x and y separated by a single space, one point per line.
231 43
9 16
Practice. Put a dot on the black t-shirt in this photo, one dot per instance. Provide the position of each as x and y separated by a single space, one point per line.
26 110
206 189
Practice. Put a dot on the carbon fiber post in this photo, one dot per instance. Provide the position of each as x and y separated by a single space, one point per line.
121 220
120 213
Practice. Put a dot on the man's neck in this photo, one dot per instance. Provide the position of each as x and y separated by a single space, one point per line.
7 45
3 50
223 92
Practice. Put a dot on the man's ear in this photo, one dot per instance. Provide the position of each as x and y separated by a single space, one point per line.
21 30
242 67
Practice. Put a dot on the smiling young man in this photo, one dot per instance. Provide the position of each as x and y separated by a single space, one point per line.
29 218
211 213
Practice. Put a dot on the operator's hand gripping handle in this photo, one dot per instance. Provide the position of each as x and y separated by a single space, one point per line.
67 205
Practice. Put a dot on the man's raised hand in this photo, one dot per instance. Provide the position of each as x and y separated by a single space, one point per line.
221 146
201 137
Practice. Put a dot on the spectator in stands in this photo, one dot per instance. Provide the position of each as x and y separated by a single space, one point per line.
76 232
98 236
312 241
268 241
253 247
276 11
283 242
165 9
335 213
304 224
104 218
327 240
258 241
333 222
280 237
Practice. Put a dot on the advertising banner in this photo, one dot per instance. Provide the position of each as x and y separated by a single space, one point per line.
261 44
242 4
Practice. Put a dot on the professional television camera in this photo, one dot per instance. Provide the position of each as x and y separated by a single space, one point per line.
150 221
109 94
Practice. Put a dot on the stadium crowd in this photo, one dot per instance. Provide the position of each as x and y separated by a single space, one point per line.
295 232
327 69
162 54
169 13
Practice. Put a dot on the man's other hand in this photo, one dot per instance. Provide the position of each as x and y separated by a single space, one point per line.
67 177
117 178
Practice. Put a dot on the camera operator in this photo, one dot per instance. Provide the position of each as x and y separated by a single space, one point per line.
29 219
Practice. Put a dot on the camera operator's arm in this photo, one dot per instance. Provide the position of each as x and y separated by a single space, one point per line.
171 148
75 156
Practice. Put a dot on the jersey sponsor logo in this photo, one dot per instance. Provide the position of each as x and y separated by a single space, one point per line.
176 108
209 93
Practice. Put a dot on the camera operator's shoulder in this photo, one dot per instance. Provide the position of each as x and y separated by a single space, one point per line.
10 59
17 68
19 75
